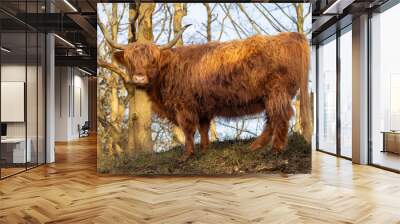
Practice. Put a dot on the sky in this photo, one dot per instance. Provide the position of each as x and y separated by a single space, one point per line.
197 16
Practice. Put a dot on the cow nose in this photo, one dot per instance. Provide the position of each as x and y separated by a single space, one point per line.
139 79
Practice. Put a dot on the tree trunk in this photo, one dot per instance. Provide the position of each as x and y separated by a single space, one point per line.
133 15
113 81
139 104
213 127
300 17
180 11
131 144
209 21
213 131
300 29
145 25
178 137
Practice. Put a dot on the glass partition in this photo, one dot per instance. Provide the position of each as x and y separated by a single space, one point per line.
14 151
327 96
22 88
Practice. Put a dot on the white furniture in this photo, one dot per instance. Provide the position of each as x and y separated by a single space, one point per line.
18 149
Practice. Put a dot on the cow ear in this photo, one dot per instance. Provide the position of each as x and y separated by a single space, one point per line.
118 56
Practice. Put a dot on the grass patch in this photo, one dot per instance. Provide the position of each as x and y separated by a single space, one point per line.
224 157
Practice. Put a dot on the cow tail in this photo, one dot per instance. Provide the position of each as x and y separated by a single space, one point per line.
305 108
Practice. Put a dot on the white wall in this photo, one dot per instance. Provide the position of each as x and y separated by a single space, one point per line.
80 110
62 81
71 102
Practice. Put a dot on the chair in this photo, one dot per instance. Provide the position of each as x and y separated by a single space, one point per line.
84 130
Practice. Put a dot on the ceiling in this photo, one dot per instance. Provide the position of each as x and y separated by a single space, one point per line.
74 22
332 15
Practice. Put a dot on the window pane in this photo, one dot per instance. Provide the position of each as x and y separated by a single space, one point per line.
346 94
327 97
385 86
14 153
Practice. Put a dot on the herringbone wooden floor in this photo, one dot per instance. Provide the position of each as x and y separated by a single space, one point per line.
70 191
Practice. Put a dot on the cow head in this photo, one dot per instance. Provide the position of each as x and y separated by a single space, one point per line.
143 61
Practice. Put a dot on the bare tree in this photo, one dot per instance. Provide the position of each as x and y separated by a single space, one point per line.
139 121
111 108
180 10
139 106
210 20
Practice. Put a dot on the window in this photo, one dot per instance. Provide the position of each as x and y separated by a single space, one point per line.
346 93
327 96
385 89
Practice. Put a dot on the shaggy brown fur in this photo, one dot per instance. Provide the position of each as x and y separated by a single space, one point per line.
190 85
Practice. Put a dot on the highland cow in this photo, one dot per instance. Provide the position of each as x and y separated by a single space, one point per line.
191 85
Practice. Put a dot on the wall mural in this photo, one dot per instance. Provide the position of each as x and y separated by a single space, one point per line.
203 88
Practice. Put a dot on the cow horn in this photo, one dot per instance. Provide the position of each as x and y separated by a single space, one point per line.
176 38
115 45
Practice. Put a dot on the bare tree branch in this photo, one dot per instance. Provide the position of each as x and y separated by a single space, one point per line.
236 26
230 126
309 10
222 27
114 69
249 18
106 35
164 22
201 34
276 20
122 14
133 17
209 22
285 13
170 22
275 26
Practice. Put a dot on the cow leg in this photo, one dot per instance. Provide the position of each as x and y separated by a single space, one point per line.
264 138
279 111
204 140
188 126
281 122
